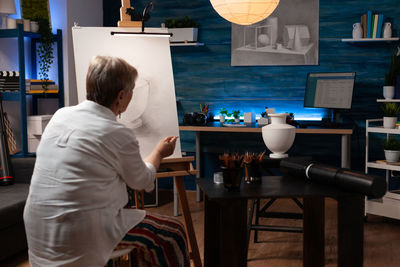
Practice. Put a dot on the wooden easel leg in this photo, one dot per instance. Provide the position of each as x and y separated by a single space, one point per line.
139 199
176 205
194 250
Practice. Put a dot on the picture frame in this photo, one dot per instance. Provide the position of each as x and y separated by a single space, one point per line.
289 36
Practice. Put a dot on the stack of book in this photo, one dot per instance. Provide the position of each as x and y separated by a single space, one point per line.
372 25
9 82
36 86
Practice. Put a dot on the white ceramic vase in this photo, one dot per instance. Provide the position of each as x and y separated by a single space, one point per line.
387 30
278 136
221 118
388 92
389 122
357 30
392 155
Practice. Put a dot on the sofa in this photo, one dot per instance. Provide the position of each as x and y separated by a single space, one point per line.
12 202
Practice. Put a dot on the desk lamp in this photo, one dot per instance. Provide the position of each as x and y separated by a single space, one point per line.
146 13
6 7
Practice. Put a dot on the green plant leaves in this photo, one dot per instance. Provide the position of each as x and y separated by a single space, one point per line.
184 22
38 10
391 76
45 51
390 109
391 144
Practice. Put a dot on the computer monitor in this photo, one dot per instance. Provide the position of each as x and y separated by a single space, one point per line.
332 90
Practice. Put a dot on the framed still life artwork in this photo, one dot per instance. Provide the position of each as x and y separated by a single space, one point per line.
289 36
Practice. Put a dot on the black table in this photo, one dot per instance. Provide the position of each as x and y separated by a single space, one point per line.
225 221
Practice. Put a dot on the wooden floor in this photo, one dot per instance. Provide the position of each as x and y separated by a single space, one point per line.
381 246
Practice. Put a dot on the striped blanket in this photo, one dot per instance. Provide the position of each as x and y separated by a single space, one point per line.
158 240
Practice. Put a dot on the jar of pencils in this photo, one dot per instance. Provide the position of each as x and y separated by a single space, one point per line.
231 166
252 167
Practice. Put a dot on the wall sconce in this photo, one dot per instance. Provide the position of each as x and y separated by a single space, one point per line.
244 12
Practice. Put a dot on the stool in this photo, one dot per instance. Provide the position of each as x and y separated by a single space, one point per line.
267 164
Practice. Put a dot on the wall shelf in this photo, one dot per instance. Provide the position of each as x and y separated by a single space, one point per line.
388 205
21 94
387 100
187 44
370 40
10 33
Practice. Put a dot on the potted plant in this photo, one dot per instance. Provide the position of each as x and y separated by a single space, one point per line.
183 29
391 148
236 115
390 113
263 120
391 76
39 11
223 112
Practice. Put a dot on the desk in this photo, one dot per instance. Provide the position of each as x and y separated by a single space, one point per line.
216 127
225 220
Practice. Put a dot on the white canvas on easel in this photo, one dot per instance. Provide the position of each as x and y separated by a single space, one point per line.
152 113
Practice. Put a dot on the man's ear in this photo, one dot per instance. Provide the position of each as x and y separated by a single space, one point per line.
121 95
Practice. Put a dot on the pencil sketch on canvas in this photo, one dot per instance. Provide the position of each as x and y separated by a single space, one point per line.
289 36
152 112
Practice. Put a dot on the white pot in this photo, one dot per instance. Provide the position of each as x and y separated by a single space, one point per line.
389 122
392 155
34 26
278 136
221 118
183 34
236 120
388 92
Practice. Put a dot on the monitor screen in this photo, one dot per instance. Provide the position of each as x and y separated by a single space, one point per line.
329 90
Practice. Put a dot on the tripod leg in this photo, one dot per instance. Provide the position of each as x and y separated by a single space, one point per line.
257 220
249 224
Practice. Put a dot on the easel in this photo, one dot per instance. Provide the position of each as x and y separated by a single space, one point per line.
177 168
126 18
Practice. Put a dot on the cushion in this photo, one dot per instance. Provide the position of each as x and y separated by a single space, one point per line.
23 169
12 202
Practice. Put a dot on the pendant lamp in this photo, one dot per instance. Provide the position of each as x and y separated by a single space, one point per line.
6 7
244 12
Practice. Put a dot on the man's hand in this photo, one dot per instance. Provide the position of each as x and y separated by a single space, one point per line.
166 146
163 149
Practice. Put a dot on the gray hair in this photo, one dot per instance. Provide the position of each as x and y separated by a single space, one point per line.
106 77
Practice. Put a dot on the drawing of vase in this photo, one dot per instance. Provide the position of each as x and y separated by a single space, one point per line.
278 136
273 22
137 106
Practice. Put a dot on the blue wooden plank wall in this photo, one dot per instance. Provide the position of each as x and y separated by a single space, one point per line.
204 74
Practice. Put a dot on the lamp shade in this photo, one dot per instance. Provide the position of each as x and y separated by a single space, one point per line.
244 12
7 7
